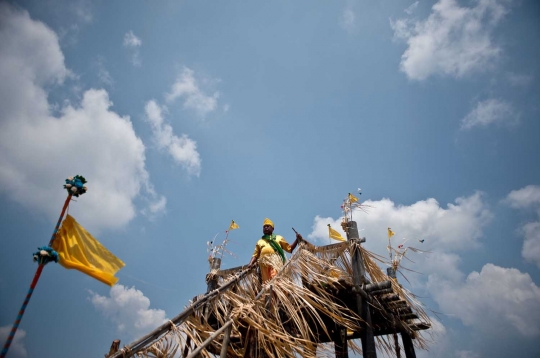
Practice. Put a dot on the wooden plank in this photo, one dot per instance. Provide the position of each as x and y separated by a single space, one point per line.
378 286
382 292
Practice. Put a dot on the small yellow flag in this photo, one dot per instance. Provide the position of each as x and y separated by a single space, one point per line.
233 225
334 234
390 233
81 251
352 198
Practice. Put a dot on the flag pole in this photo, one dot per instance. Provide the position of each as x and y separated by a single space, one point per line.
74 186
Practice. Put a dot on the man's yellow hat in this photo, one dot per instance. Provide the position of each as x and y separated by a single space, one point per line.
268 222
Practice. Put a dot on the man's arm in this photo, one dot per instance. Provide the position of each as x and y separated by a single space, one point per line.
253 261
298 238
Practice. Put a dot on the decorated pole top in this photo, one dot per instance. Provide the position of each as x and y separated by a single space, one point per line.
75 185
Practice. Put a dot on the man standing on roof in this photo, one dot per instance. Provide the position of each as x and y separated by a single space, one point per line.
269 251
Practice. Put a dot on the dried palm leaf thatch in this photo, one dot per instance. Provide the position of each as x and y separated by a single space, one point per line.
289 315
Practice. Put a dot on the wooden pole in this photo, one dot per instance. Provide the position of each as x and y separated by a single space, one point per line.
214 266
187 347
340 342
396 343
367 337
114 348
408 345
212 283
210 339
226 341
41 264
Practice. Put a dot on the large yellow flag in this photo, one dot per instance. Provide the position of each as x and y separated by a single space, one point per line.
334 234
233 225
81 251
390 233
352 198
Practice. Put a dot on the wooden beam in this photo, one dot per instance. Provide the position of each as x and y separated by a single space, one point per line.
396 304
420 326
381 292
378 286
403 310
390 298
408 316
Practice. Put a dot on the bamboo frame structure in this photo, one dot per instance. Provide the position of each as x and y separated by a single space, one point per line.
323 294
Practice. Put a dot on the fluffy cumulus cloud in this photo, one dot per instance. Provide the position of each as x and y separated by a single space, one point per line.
188 89
491 299
453 40
129 309
488 112
445 231
133 43
182 149
458 226
40 149
17 348
528 198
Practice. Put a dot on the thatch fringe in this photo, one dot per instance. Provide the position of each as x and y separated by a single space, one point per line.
288 315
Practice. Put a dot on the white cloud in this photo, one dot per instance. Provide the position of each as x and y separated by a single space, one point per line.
182 149
457 227
129 309
187 88
528 198
517 79
531 244
40 150
347 21
453 40
491 299
17 348
490 111
439 339
103 74
76 15
445 231
134 43
411 8
130 40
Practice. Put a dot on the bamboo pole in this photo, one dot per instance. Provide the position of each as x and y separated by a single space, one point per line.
340 342
226 341
37 275
210 339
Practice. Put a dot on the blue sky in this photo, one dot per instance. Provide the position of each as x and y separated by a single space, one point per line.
184 115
